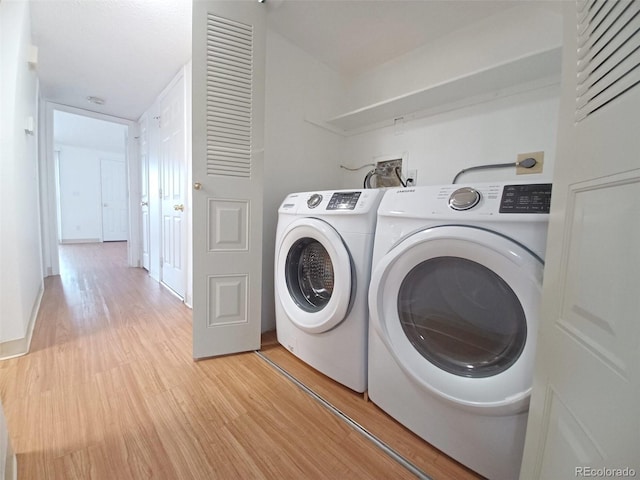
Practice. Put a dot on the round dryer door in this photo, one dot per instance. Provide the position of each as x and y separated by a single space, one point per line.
457 308
314 275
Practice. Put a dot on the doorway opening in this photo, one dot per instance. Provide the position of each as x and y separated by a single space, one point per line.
89 187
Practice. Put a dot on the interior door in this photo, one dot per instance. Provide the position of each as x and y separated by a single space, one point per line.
113 180
143 145
585 410
228 111
173 185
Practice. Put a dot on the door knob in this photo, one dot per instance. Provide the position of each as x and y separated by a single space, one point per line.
179 207
197 186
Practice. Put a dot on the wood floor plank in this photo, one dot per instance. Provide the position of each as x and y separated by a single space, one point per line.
183 446
110 391
231 458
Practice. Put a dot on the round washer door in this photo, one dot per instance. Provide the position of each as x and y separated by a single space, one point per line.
457 308
313 275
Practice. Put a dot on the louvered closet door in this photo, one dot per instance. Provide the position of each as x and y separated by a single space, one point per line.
228 104
584 418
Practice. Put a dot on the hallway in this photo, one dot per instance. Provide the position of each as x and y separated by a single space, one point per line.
110 391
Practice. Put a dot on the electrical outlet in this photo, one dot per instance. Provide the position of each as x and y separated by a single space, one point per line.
537 168
386 173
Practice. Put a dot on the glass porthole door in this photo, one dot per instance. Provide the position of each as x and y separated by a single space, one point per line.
462 317
457 308
309 274
314 277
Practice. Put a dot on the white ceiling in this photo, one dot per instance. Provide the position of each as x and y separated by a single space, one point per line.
353 36
126 51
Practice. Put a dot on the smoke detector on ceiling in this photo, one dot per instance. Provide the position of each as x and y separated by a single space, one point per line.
96 100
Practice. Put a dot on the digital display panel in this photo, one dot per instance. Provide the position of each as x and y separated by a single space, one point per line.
533 198
343 201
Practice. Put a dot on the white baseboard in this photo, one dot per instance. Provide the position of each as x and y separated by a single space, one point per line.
80 240
11 464
21 346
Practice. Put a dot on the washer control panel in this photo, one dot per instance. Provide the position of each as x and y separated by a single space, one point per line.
333 202
530 198
343 201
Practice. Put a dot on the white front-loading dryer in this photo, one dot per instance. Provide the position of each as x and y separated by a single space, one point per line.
324 243
453 299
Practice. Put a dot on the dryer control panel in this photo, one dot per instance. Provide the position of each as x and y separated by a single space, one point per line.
480 201
530 198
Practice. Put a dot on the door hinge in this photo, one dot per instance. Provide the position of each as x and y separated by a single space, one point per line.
160 193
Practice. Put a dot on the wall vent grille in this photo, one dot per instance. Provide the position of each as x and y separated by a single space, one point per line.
608 52
229 86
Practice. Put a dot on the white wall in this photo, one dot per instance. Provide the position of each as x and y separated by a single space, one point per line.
81 142
89 132
440 146
495 131
81 192
79 187
21 276
299 156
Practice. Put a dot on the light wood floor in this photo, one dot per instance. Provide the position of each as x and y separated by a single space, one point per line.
110 391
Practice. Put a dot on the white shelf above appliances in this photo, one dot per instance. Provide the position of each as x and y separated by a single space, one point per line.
531 72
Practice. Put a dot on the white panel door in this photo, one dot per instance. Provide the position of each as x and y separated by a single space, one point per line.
143 146
228 112
172 188
584 416
113 179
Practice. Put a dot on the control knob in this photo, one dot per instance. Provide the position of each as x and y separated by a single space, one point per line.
464 198
314 200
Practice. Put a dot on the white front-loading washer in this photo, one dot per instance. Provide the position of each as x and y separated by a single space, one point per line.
324 242
454 295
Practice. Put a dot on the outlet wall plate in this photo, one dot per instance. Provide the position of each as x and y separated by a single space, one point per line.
537 168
